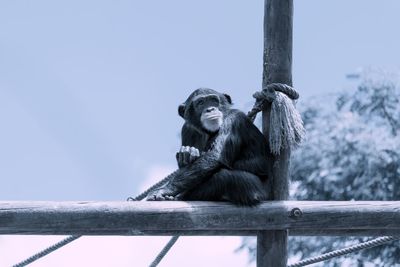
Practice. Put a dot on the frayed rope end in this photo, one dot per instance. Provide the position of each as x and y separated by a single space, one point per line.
286 126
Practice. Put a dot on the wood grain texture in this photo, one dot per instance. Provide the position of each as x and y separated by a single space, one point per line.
197 218
277 68
278 239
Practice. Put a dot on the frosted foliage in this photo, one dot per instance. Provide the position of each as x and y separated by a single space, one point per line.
351 152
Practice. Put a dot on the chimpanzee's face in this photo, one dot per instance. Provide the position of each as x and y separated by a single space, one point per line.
208 108
205 109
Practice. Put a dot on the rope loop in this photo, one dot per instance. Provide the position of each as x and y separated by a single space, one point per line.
268 94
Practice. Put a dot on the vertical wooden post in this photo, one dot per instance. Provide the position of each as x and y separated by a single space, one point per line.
277 67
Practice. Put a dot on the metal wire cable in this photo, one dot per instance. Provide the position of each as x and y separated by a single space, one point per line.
337 253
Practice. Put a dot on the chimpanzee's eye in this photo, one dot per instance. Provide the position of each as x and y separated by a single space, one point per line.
200 102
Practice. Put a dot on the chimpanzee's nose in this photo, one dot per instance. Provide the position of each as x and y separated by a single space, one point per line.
210 109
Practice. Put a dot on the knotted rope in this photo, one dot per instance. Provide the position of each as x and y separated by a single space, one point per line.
289 132
286 126
340 252
268 95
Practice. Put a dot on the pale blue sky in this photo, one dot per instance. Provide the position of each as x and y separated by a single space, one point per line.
89 89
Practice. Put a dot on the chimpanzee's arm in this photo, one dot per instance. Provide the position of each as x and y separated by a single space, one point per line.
192 175
193 137
193 144
225 149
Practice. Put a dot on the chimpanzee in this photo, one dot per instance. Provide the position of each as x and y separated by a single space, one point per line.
223 155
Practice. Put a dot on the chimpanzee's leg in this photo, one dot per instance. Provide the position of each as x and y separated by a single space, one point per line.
239 187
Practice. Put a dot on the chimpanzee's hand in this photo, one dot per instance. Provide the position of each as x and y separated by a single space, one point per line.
161 194
187 155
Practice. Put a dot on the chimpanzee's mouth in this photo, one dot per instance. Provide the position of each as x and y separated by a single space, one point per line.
215 117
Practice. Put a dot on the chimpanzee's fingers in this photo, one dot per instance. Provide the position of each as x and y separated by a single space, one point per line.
159 197
197 152
186 158
179 154
151 197
179 159
182 156
192 154
186 155
181 150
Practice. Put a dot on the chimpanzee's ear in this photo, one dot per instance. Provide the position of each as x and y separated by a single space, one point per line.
228 97
181 110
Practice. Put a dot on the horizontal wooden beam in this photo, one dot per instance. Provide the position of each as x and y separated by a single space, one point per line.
200 218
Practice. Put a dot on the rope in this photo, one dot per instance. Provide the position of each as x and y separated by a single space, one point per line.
71 238
164 251
151 188
173 240
286 129
337 253
47 251
267 94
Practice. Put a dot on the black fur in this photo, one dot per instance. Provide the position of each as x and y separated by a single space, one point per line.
234 162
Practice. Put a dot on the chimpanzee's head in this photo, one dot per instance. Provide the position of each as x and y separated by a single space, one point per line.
205 109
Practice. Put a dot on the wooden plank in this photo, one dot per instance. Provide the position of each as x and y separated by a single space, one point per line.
339 232
277 68
196 218
133 232
276 246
